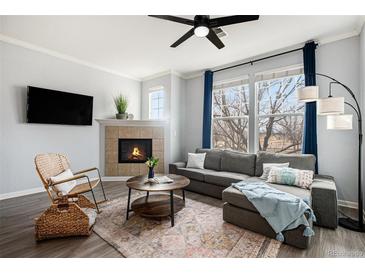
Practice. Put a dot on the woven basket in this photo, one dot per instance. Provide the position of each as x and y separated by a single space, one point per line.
64 219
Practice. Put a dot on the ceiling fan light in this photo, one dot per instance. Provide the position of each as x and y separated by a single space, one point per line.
201 31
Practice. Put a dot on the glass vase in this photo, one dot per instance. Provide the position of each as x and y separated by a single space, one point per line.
151 173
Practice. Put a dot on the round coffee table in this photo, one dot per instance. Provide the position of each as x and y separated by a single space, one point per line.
157 205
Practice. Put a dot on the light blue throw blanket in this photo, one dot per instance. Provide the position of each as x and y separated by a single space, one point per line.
283 211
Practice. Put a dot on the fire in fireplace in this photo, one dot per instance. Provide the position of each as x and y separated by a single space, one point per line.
134 150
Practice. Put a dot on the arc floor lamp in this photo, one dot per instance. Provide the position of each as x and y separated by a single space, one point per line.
334 108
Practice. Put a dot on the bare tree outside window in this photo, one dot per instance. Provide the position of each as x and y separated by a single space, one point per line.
280 115
230 117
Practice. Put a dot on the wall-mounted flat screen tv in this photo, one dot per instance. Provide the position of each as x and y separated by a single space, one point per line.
46 106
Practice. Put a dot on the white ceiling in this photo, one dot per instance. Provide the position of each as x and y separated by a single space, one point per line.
138 46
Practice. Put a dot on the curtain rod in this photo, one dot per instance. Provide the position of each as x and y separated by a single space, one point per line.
260 59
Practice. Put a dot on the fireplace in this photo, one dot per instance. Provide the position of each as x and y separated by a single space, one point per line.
134 150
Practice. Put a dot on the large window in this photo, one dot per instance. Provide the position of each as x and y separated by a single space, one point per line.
156 104
230 115
280 115
275 113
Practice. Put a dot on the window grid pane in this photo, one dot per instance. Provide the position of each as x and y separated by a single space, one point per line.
231 133
156 105
281 134
230 117
280 114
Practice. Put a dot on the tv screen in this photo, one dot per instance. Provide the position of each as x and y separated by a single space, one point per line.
46 106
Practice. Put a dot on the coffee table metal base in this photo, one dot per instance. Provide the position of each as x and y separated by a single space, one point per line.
156 205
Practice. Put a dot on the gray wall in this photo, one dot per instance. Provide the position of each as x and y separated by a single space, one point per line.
337 149
174 88
362 89
20 142
177 117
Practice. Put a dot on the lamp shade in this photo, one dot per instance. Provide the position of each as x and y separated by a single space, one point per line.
308 94
339 122
331 105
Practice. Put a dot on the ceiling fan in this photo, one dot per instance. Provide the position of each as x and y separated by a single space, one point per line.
203 26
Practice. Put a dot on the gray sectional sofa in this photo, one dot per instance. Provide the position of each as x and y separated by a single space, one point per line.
223 167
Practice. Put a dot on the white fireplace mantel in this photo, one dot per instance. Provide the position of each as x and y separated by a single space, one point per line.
139 123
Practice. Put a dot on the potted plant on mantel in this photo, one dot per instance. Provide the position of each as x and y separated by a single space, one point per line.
121 104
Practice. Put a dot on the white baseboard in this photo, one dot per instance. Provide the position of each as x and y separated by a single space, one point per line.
349 204
21 193
30 191
115 178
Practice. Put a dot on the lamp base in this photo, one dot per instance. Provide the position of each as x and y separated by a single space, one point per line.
351 224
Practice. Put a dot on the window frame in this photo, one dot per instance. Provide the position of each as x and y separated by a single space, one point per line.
253 115
159 89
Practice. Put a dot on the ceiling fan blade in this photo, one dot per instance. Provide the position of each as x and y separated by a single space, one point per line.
183 38
229 20
175 19
214 39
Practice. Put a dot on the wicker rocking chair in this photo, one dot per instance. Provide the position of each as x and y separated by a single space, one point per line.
52 164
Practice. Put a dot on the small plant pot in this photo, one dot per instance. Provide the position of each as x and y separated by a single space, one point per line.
122 116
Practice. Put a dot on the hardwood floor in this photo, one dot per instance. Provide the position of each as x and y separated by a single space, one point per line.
17 233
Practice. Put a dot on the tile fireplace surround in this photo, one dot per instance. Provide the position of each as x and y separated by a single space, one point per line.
111 130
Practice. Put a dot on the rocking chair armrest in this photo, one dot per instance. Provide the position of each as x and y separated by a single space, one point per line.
79 176
86 170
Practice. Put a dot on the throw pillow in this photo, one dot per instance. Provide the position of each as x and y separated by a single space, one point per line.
196 160
266 167
290 176
64 187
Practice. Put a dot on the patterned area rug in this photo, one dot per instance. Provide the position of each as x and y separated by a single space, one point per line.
199 231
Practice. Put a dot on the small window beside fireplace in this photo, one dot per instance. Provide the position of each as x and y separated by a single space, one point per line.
134 150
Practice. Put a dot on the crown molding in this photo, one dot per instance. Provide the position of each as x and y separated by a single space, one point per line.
339 37
163 73
30 46
156 75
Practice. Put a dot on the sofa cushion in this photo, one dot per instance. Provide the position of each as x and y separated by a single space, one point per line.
238 162
299 161
193 173
212 158
305 194
224 178
235 197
